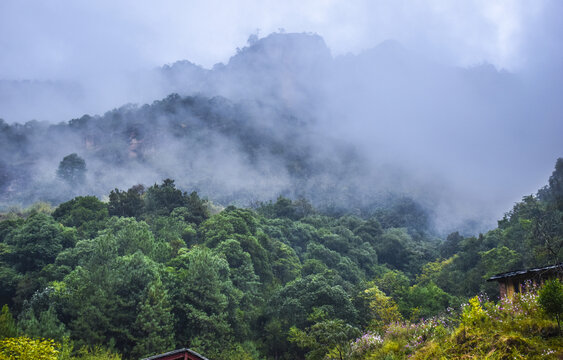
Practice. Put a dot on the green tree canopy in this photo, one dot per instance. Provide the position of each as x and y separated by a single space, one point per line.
162 199
72 169
126 203
86 213
36 243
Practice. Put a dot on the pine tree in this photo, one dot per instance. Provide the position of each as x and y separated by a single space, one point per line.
7 324
154 326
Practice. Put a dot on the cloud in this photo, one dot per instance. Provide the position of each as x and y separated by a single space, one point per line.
102 47
83 39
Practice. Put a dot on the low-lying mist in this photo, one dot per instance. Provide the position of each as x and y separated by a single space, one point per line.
285 117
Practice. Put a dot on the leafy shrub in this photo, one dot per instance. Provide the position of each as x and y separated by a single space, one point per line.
26 348
550 300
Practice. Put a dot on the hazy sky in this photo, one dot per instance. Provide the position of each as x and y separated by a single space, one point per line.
77 39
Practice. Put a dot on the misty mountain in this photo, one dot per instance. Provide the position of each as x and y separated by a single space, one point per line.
284 116
452 137
211 145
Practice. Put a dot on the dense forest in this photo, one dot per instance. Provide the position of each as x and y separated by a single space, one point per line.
150 269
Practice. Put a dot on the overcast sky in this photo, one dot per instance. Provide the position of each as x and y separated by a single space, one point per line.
76 39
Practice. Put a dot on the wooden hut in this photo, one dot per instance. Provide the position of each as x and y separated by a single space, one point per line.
514 281
180 354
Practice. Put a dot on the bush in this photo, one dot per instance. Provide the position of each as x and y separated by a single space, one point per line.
550 299
26 348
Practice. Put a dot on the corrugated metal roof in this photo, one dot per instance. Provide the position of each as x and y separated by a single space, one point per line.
174 352
525 272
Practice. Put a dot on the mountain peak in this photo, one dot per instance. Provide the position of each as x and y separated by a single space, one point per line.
283 48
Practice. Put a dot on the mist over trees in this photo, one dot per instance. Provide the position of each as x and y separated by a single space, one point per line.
72 169
210 144
285 117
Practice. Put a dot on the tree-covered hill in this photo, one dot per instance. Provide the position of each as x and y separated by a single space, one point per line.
155 268
284 116
234 152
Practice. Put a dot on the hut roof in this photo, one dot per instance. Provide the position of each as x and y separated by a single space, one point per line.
177 352
533 271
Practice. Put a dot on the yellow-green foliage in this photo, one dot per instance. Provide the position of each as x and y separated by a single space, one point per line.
39 207
25 348
473 314
514 328
383 309
96 353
